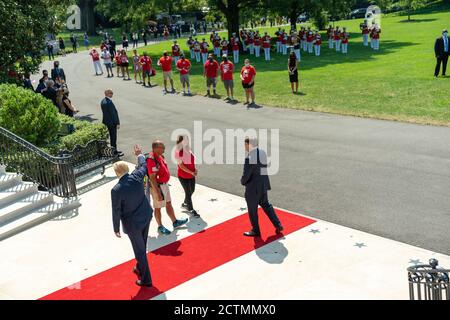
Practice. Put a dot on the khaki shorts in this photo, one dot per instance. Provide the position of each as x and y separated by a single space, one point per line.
211 81
166 194
184 78
229 84
167 75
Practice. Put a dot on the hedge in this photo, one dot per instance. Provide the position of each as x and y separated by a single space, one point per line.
35 119
27 114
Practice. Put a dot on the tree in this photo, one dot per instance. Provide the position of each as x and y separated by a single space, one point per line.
231 9
413 5
24 26
88 16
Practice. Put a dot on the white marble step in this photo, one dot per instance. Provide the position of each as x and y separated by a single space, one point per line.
27 204
36 217
16 193
2 169
8 180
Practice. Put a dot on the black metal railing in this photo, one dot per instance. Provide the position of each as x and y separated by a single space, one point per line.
55 174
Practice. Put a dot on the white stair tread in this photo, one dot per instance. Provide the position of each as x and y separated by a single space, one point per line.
6 178
16 189
39 216
25 202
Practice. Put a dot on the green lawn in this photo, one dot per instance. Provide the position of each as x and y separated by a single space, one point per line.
395 83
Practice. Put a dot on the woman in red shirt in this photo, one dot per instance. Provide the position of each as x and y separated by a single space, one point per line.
186 172
248 74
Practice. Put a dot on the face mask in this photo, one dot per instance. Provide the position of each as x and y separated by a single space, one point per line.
445 34
247 65
210 59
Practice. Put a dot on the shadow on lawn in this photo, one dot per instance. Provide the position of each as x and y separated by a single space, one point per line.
417 20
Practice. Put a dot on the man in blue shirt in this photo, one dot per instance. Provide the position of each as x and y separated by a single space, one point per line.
441 49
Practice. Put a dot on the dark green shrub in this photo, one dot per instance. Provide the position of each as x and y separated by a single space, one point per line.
29 115
85 131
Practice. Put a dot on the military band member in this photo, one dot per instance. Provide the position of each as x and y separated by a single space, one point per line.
365 34
317 43
337 39
344 40
190 44
204 50
197 49
330 37
266 45
257 44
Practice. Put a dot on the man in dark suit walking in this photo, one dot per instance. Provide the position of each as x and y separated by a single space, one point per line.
58 72
256 182
441 49
131 207
111 119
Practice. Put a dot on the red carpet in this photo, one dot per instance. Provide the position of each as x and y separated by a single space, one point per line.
182 260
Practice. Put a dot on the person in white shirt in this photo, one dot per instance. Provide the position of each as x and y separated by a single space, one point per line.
107 61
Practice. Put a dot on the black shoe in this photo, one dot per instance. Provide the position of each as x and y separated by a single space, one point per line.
194 214
136 272
118 153
252 234
279 229
141 284
184 206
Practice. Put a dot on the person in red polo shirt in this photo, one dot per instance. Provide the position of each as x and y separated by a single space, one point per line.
226 72
175 52
159 176
146 64
184 66
186 172
210 72
165 62
248 74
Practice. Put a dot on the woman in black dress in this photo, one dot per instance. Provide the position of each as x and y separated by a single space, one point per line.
70 108
125 42
293 71
62 47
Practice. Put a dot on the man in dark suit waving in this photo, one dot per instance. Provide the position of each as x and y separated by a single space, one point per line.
111 119
131 207
441 50
256 182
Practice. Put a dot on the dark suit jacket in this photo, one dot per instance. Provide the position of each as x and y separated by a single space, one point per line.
50 93
129 203
255 178
110 115
439 46
58 73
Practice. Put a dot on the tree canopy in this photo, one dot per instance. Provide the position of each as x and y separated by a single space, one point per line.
23 28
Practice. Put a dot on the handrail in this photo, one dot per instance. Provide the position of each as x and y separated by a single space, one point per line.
55 174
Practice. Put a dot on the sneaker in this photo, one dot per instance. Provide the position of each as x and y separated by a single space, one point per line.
163 230
184 206
194 214
179 223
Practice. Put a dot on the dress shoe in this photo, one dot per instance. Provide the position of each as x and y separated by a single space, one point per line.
136 272
279 229
141 284
252 234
